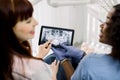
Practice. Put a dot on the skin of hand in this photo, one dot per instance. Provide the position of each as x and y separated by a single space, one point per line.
44 49
54 67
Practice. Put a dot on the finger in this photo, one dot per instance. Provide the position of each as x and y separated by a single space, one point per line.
48 43
58 62
49 47
55 61
64 46
54 50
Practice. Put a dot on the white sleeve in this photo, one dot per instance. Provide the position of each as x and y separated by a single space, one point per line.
32 69
42 71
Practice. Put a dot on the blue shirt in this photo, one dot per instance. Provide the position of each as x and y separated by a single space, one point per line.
97 67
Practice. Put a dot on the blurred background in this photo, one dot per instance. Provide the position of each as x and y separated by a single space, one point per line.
84 16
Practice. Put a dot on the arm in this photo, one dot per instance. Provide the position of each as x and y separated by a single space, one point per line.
68 52
68 68
66 64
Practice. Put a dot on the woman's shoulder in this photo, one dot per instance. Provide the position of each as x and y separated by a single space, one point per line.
29 62
31 67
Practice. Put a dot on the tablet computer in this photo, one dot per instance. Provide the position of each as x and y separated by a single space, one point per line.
57 35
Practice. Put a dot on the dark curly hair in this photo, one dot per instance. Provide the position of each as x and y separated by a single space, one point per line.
113 31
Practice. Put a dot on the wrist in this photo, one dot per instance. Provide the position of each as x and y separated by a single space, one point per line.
62 61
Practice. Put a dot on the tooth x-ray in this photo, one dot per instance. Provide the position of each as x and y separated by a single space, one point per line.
57 35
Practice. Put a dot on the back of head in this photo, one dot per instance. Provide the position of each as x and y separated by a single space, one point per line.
113 31
11 11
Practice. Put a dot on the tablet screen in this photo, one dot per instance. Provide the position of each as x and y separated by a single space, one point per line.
58 35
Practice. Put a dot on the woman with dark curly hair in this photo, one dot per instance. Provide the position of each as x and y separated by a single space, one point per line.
98 66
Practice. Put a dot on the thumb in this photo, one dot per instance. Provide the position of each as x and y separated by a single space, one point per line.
56 50
53 49
63 46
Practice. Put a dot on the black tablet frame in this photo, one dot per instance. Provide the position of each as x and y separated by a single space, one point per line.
52 28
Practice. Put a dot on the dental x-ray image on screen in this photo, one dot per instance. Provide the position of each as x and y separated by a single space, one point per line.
57 35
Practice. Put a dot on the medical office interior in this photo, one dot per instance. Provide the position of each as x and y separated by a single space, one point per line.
84 16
